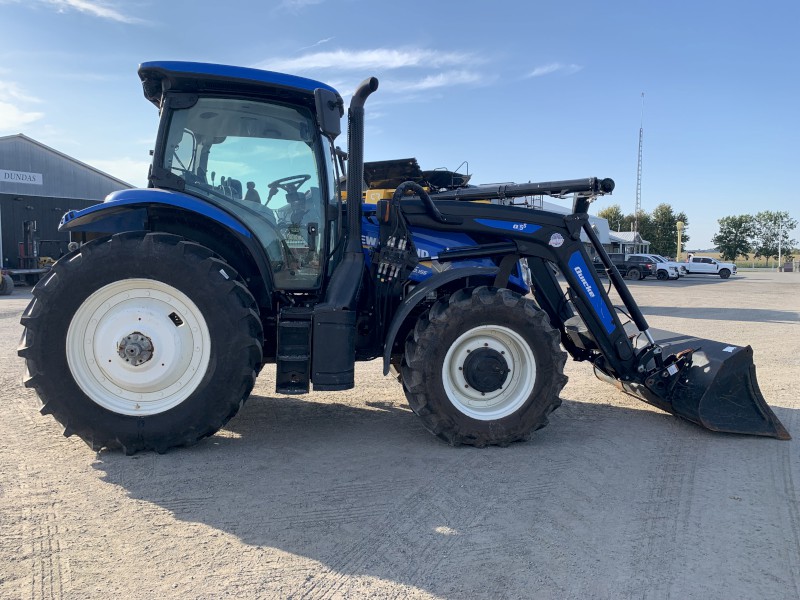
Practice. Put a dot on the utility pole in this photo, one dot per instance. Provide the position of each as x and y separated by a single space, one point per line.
639 176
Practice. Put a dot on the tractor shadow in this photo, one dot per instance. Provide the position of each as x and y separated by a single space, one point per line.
364 490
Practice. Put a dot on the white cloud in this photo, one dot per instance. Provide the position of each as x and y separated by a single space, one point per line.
439 80
103 9
363 60
12 117
417 71
295 6
11 91
554 68
128 169
315 44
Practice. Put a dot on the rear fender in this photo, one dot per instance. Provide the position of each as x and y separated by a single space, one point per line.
125 209
172 212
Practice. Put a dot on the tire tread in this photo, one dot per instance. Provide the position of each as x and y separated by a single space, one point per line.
425 336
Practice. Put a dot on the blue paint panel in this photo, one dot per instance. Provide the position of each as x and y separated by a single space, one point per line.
514 226
429 243
154 196
588 285
227 71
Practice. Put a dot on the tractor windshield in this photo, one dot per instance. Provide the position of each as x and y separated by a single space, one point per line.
260 161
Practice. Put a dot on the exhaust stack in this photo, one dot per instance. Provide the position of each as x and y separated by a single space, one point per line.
333 353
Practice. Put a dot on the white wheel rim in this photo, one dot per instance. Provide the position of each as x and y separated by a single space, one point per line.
163 315
517 386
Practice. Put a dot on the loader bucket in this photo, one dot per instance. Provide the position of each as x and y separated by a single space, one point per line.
718 390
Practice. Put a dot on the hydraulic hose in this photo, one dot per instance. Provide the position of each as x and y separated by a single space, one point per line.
423 195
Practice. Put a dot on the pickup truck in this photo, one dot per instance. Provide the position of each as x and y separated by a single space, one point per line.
666 269
633 267
706 265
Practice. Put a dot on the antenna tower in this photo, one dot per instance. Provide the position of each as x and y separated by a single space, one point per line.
638 208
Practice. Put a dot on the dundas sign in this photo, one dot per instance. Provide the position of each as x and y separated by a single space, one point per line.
20 177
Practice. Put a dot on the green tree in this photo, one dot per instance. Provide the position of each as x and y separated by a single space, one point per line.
615 217
659 228
735 236
663 235
772 232
646 225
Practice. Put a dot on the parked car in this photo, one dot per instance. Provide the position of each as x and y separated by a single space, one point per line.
632 267
705 265
665 269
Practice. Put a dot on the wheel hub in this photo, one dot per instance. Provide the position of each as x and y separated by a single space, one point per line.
135 348
489 372
486 370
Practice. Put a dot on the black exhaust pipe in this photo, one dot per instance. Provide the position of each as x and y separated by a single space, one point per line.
355 162
334 334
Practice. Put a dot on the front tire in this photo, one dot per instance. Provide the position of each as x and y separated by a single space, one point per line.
141 342
662 275
725 273
483 367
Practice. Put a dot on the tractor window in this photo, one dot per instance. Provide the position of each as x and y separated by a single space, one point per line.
184 151
260 161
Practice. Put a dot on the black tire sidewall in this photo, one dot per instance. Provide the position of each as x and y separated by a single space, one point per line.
6 285
440 336
165 262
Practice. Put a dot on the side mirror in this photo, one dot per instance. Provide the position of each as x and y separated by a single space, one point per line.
330 109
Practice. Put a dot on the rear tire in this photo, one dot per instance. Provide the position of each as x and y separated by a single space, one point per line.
6 285
725 273
483 367
141 342
633 274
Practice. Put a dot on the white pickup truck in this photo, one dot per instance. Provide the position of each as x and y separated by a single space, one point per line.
705 265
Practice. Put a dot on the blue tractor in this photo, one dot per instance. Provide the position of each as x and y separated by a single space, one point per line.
242 251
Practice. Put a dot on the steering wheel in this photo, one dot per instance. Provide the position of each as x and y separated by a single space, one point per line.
290 185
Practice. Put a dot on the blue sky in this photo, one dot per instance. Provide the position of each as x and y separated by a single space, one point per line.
522 91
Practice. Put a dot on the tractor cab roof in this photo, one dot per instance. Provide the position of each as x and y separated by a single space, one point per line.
192 77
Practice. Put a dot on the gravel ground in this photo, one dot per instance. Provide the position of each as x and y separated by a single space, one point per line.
345 495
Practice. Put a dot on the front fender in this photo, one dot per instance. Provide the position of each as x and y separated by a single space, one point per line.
418 295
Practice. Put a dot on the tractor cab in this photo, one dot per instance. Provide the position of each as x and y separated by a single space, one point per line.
256 151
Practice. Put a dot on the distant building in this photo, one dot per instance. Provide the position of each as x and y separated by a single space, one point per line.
37 186
628 242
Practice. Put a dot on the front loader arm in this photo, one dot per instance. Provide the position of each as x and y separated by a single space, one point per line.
709 383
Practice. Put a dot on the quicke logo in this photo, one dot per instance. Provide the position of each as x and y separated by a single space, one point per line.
586 284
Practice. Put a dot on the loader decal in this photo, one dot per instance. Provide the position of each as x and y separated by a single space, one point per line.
509 225
589 287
